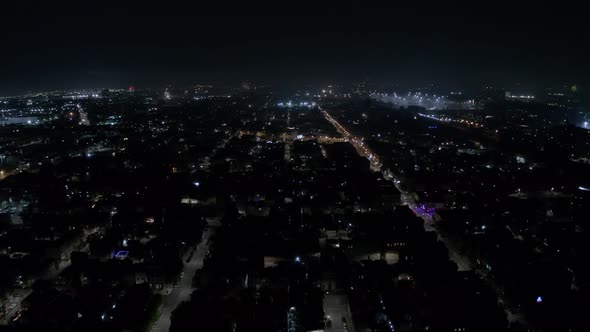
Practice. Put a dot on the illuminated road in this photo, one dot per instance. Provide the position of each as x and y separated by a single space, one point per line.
13 305
292 137
83 117
185 286
5 174
206 161
337 310
361 148
463 262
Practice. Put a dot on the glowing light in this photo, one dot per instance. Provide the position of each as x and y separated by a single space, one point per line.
539 299
122 254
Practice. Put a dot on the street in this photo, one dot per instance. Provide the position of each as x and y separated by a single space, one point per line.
185 286
463 262
337 310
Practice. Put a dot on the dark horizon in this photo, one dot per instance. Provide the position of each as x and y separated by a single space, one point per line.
52 47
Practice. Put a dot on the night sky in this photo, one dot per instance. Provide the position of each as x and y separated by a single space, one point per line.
98 44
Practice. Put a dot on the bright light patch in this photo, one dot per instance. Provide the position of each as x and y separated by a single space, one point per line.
122 254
